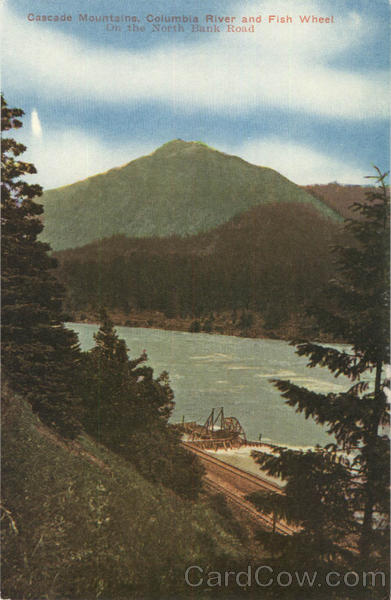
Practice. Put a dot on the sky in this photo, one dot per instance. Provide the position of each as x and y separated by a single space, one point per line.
310 100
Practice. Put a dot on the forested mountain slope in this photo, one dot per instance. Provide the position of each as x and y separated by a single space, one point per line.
271 259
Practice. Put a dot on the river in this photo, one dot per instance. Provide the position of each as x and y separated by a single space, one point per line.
209 371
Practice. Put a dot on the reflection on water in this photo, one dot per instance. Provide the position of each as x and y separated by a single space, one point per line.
209 371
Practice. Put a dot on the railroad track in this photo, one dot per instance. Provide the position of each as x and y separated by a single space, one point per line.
237 497
245 475
249 509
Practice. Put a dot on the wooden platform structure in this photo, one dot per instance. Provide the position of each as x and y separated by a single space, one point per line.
218 432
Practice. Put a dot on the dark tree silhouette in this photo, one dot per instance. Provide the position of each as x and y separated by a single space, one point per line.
355 308
127 409
39 353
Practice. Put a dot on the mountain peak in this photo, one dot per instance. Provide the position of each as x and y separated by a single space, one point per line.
182 188
179 145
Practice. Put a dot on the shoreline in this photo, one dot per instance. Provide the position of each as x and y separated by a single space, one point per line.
218 324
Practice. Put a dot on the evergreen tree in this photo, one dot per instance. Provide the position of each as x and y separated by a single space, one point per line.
127 409
317 501
355 310
110 388
39 353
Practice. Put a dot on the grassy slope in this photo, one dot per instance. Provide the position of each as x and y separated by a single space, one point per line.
79 522
182 188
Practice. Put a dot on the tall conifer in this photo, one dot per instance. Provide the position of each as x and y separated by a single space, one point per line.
39 353
127 409
355 310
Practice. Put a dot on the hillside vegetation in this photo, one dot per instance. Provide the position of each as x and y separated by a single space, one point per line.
80 522
269 261
182 188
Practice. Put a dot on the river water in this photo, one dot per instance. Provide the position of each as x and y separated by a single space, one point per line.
210 371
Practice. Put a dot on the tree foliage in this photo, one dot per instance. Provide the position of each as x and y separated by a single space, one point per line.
127 409
350 479
39 354
317 501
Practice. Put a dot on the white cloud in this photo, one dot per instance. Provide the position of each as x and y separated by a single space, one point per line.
284 66
71 155
299 163
36 127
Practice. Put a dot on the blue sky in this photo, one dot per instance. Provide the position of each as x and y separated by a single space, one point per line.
309 100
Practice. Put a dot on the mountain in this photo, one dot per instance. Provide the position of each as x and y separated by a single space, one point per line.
270 260
182 188
340 198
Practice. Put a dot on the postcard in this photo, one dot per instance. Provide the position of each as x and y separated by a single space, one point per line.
195 329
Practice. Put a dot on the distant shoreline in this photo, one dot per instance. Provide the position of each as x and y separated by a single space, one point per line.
221 324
